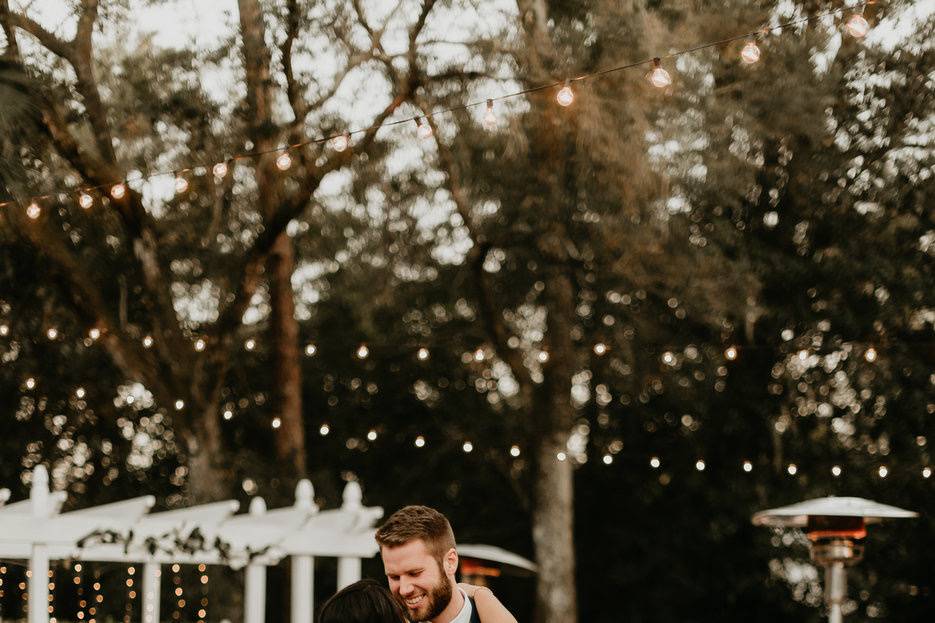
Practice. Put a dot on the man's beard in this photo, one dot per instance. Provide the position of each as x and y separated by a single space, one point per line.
435 602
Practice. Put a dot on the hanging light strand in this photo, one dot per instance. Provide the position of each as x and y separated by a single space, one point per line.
220 169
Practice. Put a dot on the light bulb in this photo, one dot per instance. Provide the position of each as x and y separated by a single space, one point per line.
870 354
362 351
220 169
490 118
750 53
565 96
423 354
600 348
33 211
514 451
747 466
118 191
420 441
181 184
467 447
424 130
340 143
85 200
792 469
730 353
199 345
147 341
284 161
659 77
700 465
857 26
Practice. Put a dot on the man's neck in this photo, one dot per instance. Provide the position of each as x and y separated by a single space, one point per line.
453 608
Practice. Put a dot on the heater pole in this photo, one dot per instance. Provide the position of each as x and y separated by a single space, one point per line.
835 590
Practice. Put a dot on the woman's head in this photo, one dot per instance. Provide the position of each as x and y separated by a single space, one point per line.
362 602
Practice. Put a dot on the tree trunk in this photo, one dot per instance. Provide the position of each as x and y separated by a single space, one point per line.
553 508
209 477
552 533
284 329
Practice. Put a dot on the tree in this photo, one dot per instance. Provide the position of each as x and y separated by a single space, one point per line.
184 362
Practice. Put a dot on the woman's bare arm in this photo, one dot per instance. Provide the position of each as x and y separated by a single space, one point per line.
489 608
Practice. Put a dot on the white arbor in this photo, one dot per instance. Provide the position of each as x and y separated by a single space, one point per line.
35 530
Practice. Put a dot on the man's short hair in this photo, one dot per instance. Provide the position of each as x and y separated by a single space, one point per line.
418 522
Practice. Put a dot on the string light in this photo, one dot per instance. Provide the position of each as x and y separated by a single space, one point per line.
658 76
118 191
277 422
420 441
747 466
131 595
423 354
730 353
199 345
750 53
371 435
362 351
468 447
85 200
181 184
926 472
179 405
310 350
324 430
423 129
565 96
490 118
792 468
654 462
52 333
561 456
836 471
600 349
147 341
883 471
203 611
608 459
250 344
870 354
94 333
284 161
30 383
514 451
179 592
857 25
542 356
228 414
340 143
33 211
700 465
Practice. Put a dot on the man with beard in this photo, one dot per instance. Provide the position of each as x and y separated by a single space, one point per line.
420 560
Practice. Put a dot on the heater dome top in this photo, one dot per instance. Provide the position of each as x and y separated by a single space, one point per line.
796 515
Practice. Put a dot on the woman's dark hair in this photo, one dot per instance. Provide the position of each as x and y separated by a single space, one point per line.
366 601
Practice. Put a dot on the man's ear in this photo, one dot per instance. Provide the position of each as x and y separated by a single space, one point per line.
451 561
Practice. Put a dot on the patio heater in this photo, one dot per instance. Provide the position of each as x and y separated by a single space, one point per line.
479 563
835 528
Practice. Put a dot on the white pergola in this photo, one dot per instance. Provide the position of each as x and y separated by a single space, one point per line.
35 530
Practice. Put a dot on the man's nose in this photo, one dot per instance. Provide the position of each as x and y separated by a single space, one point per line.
405 588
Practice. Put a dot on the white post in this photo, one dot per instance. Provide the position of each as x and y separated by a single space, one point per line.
303 567
255 590
38 581
39 585
349 568
151 581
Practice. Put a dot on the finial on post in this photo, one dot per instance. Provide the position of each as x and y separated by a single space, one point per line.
353 496
305 494
257 506
39 492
